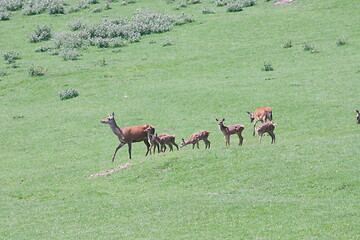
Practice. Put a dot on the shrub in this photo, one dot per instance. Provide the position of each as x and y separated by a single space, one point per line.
235 6
184 18
4 15
3 73
73 9
12 5
205 10
248 3
42 33
167 42
68 40
77 24
267 67
57 7
68 94
341 41
43 49
287 44
70 54
11 56
37 71
220 3
310 47
97 9
194 1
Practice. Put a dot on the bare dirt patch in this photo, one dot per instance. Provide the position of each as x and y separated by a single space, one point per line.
282 2
107 172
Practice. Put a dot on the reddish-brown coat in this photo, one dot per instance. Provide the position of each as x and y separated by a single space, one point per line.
266 128
230 130
260 114
196 137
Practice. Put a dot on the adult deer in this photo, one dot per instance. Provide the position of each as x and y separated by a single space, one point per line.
128 135
153 140
230 130
195 138
357 116
168 140
260 114
266 128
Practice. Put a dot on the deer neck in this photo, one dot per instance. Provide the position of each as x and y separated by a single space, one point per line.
115 128
222 127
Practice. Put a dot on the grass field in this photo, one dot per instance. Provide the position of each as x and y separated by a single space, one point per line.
305 186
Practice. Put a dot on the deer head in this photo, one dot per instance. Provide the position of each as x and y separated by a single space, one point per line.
109 119
251 115
220 122
358 116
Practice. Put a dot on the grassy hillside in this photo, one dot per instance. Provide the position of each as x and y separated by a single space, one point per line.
305 186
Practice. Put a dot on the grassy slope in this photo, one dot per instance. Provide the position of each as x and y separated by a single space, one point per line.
304 186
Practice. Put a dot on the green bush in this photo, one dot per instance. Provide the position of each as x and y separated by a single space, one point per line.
5 15
341 41
11 56
205 10
267 67
37 71
287 44
70 54
235 6
68 94
42 33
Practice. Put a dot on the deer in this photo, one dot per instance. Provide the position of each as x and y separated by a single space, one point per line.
266 128
357 116
153 140
260 114
168 140
195 138
128 135
230 130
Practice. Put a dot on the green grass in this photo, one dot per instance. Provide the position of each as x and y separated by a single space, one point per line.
306 186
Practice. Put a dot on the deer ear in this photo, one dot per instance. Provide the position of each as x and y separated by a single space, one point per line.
216 119
357 111
183 140
223 119
248 113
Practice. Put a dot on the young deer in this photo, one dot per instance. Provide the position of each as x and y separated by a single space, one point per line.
168 140
266 128
230 130
128 135
357 116
153 140
195 138
260 114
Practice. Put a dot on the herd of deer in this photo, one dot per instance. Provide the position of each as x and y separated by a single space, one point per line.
146 133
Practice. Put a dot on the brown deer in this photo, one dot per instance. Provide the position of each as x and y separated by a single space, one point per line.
266 128
128 135
230 130
153 140
260 114
357 116
195 138
168 140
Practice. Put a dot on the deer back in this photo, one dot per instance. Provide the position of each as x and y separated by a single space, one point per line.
265 127
261 112
136 133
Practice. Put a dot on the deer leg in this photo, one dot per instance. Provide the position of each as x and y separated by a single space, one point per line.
147 147
130 144
254 128
118 147
171 147
176 145
163 147
207 143
272 137
241 139
197 144
261 135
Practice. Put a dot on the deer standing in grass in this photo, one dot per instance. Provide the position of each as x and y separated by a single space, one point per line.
195 138
153 140
128 135
230 130
266 128
357 116
260 114
168 140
